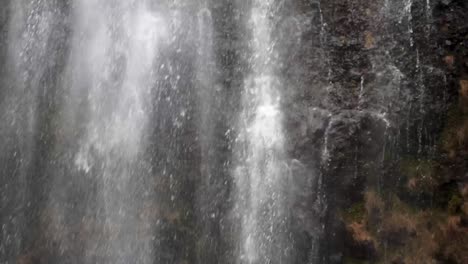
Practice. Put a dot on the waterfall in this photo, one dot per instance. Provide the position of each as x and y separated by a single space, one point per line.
100 115
28 60
113 54
262 174
205 80
237 132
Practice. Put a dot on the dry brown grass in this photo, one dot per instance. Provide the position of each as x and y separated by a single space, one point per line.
453 239
359 232
464 88
397 232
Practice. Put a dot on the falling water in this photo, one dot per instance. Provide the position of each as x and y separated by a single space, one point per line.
262 174
207 131
326 151
205 81
361 93
107 81
28 31
408 12
115 49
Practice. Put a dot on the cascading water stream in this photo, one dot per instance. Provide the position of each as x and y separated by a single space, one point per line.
262 174
205 81
28 30
115 50
220 131
101 123
408 12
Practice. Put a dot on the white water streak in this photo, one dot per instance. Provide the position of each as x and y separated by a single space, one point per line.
114 49
261 177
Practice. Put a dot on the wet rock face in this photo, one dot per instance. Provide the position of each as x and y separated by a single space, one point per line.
375 107
430 82
3 30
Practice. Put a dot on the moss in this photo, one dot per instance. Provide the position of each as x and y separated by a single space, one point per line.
454 115
445 193
351 260
418 168
397 205
355 213
421 176
453 133
455 204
